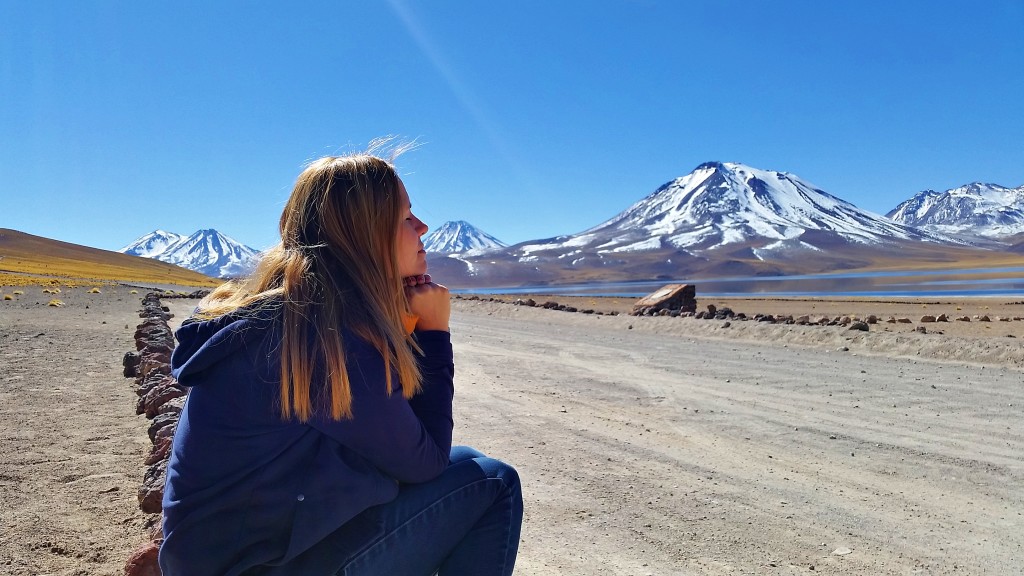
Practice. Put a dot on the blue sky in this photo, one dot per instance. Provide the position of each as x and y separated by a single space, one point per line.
536 117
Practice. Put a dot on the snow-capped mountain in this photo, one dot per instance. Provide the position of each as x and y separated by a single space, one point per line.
460 236
205 251
986 210
153 244
720 220
723 204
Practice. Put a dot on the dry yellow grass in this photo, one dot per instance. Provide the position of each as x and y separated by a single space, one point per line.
13 279
27 260
55 303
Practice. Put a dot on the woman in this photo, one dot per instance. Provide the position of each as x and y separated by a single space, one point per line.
316 438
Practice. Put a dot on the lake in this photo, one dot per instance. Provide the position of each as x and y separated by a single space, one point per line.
964 282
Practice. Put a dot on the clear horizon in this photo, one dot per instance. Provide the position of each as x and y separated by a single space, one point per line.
535 120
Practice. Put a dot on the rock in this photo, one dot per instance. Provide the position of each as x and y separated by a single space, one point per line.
724 312
154 380
161 451
165 420
963 319
890 320
151 493
143 561
670 296
921 329
984 318
153 362
842 551
174 405
862 326
872 319
942 318
904 321
927 318
131 364
151 402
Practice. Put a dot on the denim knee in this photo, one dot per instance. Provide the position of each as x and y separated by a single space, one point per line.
460 453
505 472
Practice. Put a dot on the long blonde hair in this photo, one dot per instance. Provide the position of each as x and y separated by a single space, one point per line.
335 267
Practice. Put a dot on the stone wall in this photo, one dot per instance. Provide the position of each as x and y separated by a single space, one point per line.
161 399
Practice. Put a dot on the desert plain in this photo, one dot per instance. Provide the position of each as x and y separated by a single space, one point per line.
650 445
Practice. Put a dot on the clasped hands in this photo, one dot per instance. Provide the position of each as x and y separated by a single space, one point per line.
430 302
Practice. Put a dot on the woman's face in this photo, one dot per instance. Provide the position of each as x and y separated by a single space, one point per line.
412 259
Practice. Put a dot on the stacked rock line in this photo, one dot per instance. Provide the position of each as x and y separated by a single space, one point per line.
161 399
531 303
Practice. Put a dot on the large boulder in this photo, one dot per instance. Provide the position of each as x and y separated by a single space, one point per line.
682 297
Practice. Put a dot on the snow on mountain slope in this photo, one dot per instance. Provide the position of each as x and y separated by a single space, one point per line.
458 237
986 210
721 204
152 244
205 251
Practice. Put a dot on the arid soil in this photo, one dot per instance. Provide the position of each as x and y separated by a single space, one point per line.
645 445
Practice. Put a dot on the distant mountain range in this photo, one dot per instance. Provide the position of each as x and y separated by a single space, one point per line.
726 219
458 237
720 219
974 210
205 251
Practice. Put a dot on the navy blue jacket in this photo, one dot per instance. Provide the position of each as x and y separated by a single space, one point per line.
245 488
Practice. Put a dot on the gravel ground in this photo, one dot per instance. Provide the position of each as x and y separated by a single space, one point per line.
646 445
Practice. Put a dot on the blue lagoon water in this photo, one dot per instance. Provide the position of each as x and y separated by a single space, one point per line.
888 284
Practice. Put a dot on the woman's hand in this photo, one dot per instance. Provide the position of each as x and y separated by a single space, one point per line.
430 302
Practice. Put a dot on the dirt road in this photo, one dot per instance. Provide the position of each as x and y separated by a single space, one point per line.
675 447
643 453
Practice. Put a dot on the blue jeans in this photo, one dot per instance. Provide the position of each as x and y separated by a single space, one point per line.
465 522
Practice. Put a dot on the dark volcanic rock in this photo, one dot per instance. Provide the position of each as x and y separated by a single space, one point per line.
143 561
131 362
151 494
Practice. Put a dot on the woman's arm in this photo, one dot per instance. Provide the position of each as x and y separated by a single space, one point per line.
407 440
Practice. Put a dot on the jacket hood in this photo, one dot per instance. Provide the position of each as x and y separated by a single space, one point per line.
202 343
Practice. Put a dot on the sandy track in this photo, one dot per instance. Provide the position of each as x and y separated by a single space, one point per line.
646 453
71 462
675 447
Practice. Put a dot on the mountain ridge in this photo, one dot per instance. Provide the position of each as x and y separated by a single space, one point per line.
721 218
977 209
206 251
41 257
458 236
